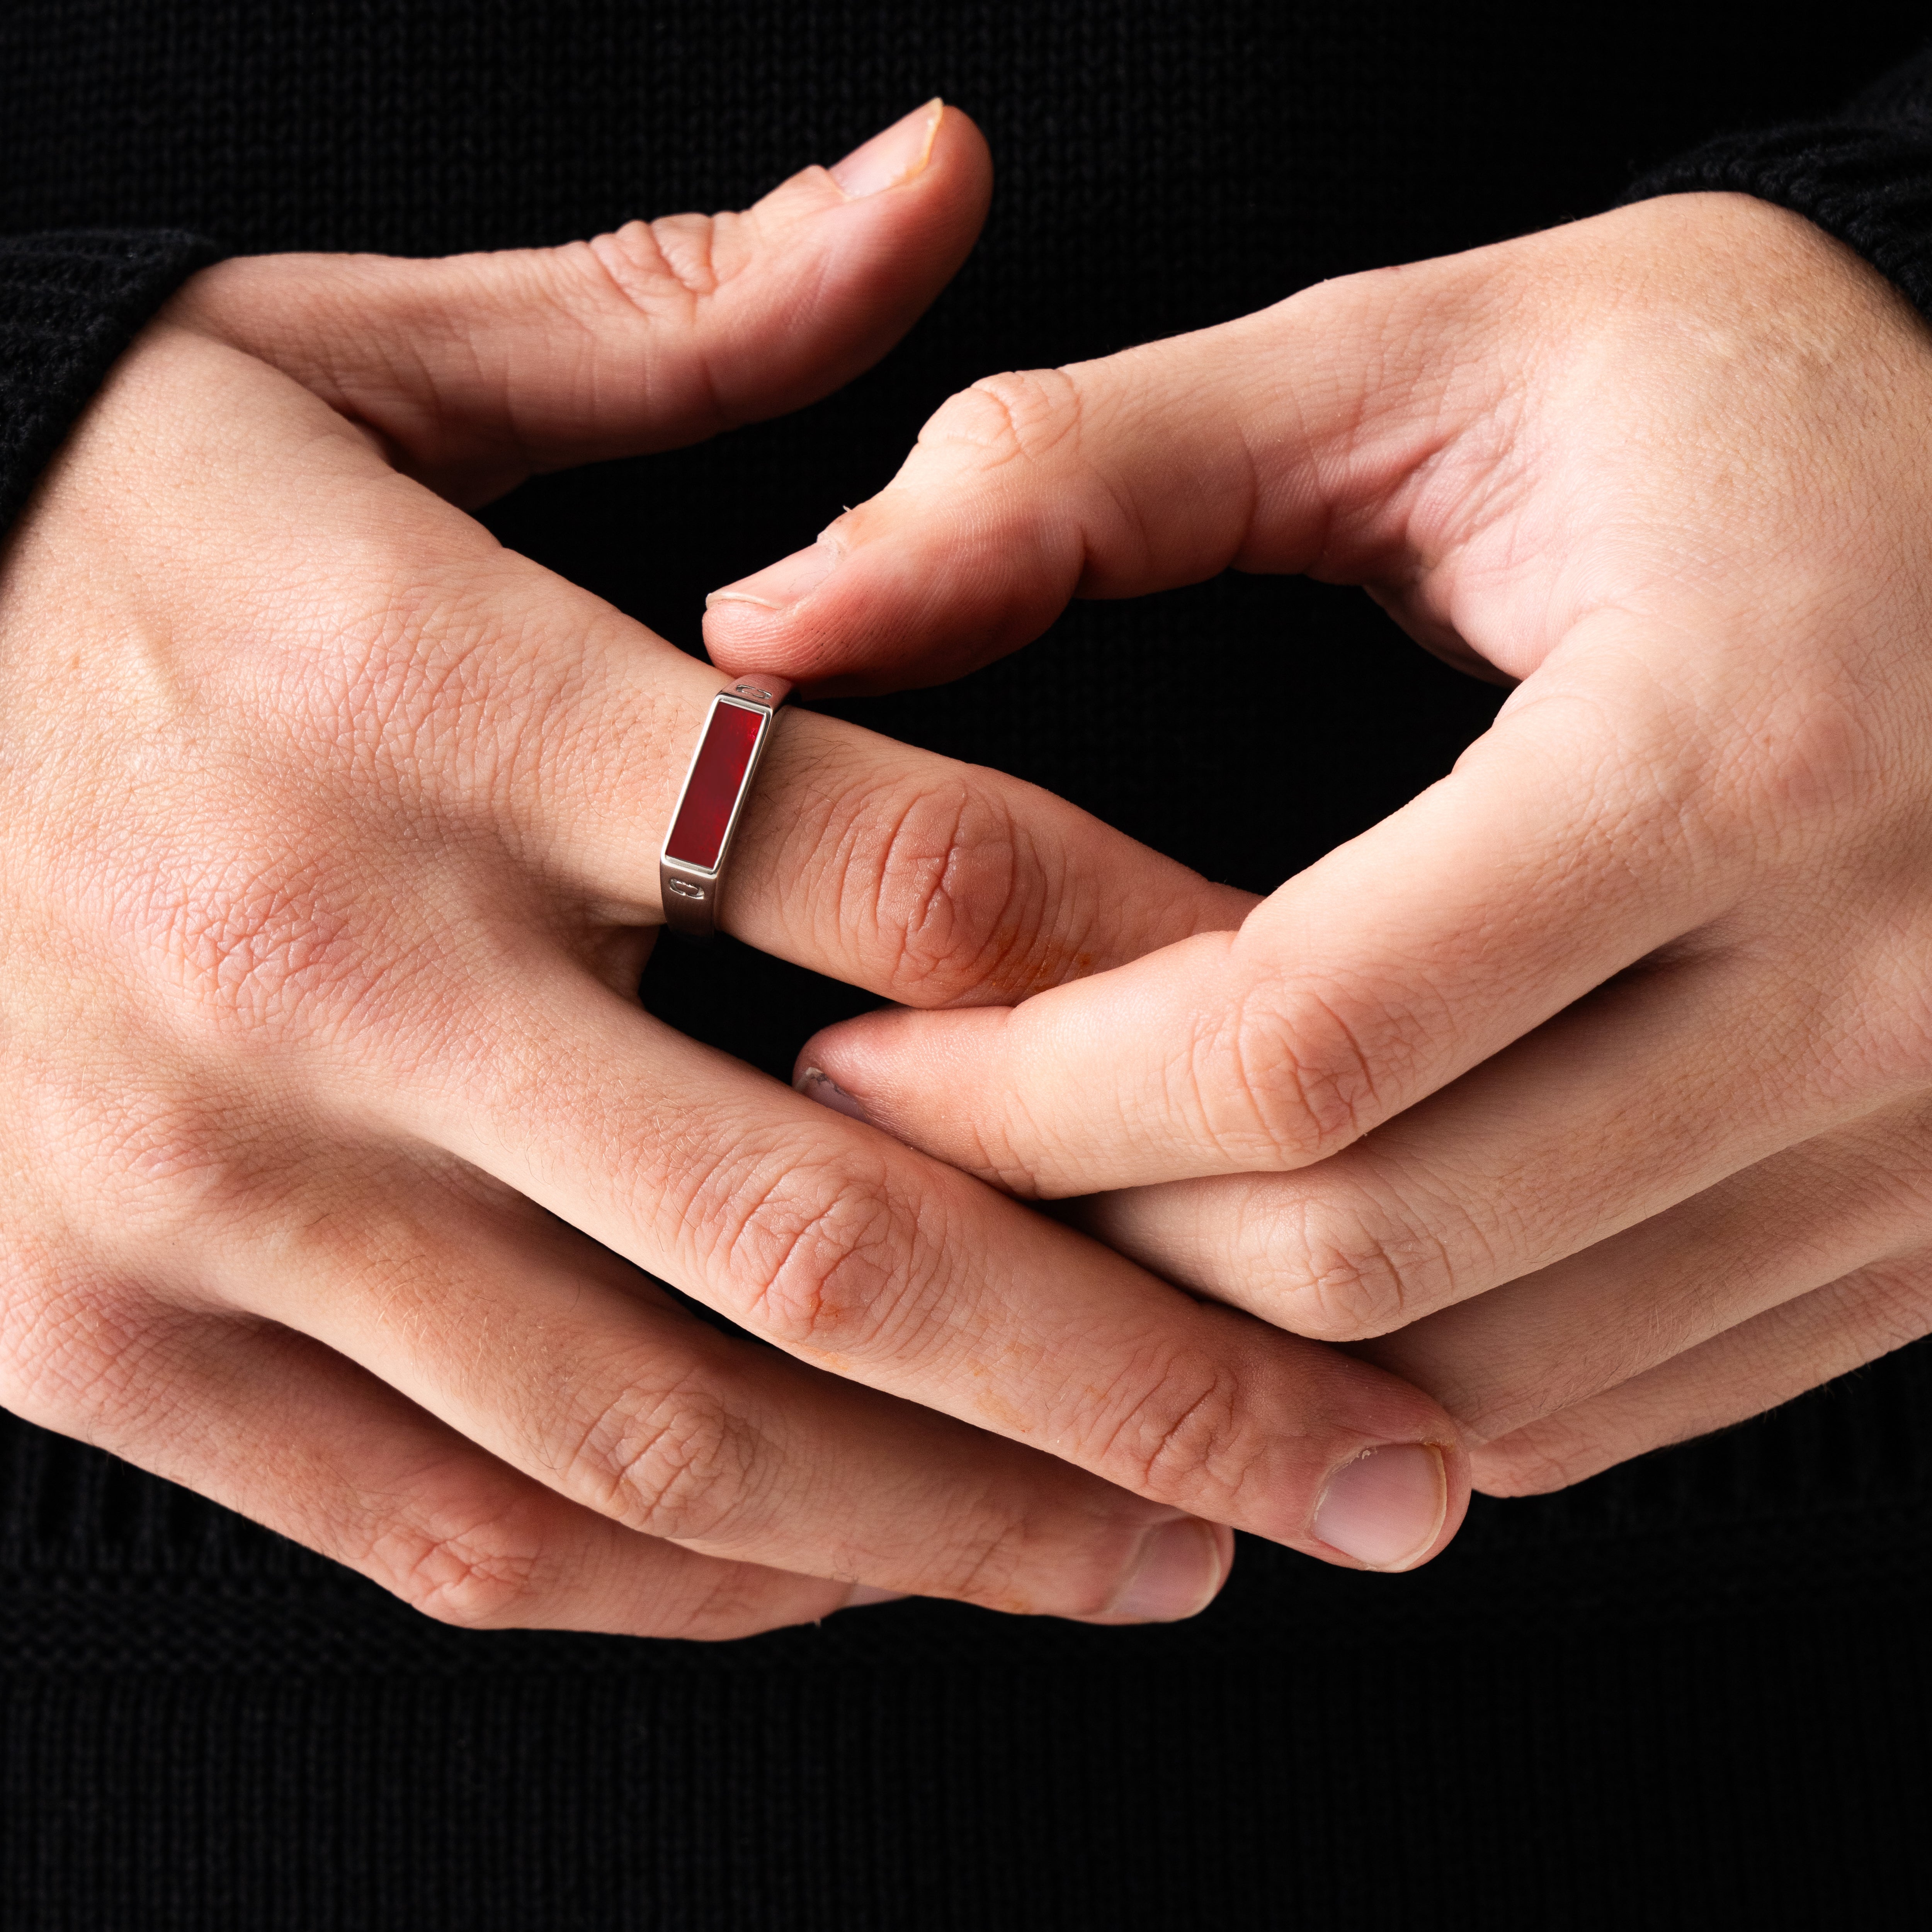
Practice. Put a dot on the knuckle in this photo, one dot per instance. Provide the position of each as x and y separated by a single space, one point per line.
980 1566
1804 751
277 948
286 925
1186 1434
1022 415
280 923
683 1465
955 894
477 1575
1001 1568
1347 1266
1350 1292
669 264
668 272
261 944
833 1264
1287 1075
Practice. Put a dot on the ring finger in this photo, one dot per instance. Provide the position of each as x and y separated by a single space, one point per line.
551 1354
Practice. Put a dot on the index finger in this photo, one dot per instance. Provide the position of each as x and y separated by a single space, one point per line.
920 877
1263 444
1566 846
508 705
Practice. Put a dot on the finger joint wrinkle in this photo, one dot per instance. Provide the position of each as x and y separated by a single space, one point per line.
682 1465
829 1276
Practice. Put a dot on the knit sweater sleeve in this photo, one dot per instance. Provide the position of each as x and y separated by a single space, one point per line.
1864 174
69 304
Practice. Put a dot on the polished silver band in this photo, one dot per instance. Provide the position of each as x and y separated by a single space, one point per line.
697 847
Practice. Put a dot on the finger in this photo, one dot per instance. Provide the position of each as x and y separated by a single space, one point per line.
918 877
531 1343
1030 488
271 1424
1581 833
502 705
1787 1226
478 369
1780 1355
1645 1096
889 1269
936 882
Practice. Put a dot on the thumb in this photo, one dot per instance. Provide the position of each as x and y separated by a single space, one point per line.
479 370
1279 442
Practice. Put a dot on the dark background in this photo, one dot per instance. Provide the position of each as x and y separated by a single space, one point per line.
1689 1693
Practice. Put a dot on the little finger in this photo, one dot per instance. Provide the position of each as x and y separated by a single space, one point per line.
362 1475
1779 1355
1806 1217
558 1358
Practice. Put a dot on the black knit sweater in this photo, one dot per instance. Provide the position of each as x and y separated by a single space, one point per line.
1691 1692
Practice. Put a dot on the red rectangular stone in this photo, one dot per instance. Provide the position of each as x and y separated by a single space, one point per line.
716 779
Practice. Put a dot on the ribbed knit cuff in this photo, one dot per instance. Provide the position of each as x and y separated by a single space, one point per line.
1865 176
70 303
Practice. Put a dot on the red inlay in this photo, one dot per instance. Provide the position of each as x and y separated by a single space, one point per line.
716 780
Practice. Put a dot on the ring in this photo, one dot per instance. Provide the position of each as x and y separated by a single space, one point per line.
691 868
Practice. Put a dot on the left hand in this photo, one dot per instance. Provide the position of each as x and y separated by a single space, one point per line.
327 828
1606 1063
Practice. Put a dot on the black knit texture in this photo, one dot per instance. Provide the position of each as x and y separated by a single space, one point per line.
1692 1692
69 305
1865 175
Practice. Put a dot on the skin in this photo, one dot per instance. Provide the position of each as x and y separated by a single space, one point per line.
1593 1089
337 1143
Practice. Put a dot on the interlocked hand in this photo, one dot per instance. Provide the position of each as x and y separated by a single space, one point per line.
1597 1082
336 1140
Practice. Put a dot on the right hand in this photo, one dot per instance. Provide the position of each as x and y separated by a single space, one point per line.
327 832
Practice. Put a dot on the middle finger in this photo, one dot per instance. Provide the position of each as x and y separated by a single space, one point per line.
1651 1091
885 1267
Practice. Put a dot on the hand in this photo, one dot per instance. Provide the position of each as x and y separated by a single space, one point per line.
1597 1081
327 836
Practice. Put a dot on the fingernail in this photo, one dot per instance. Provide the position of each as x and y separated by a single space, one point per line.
1180 1573
820 1087
783 582
889 159
863 1594
1386 1508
